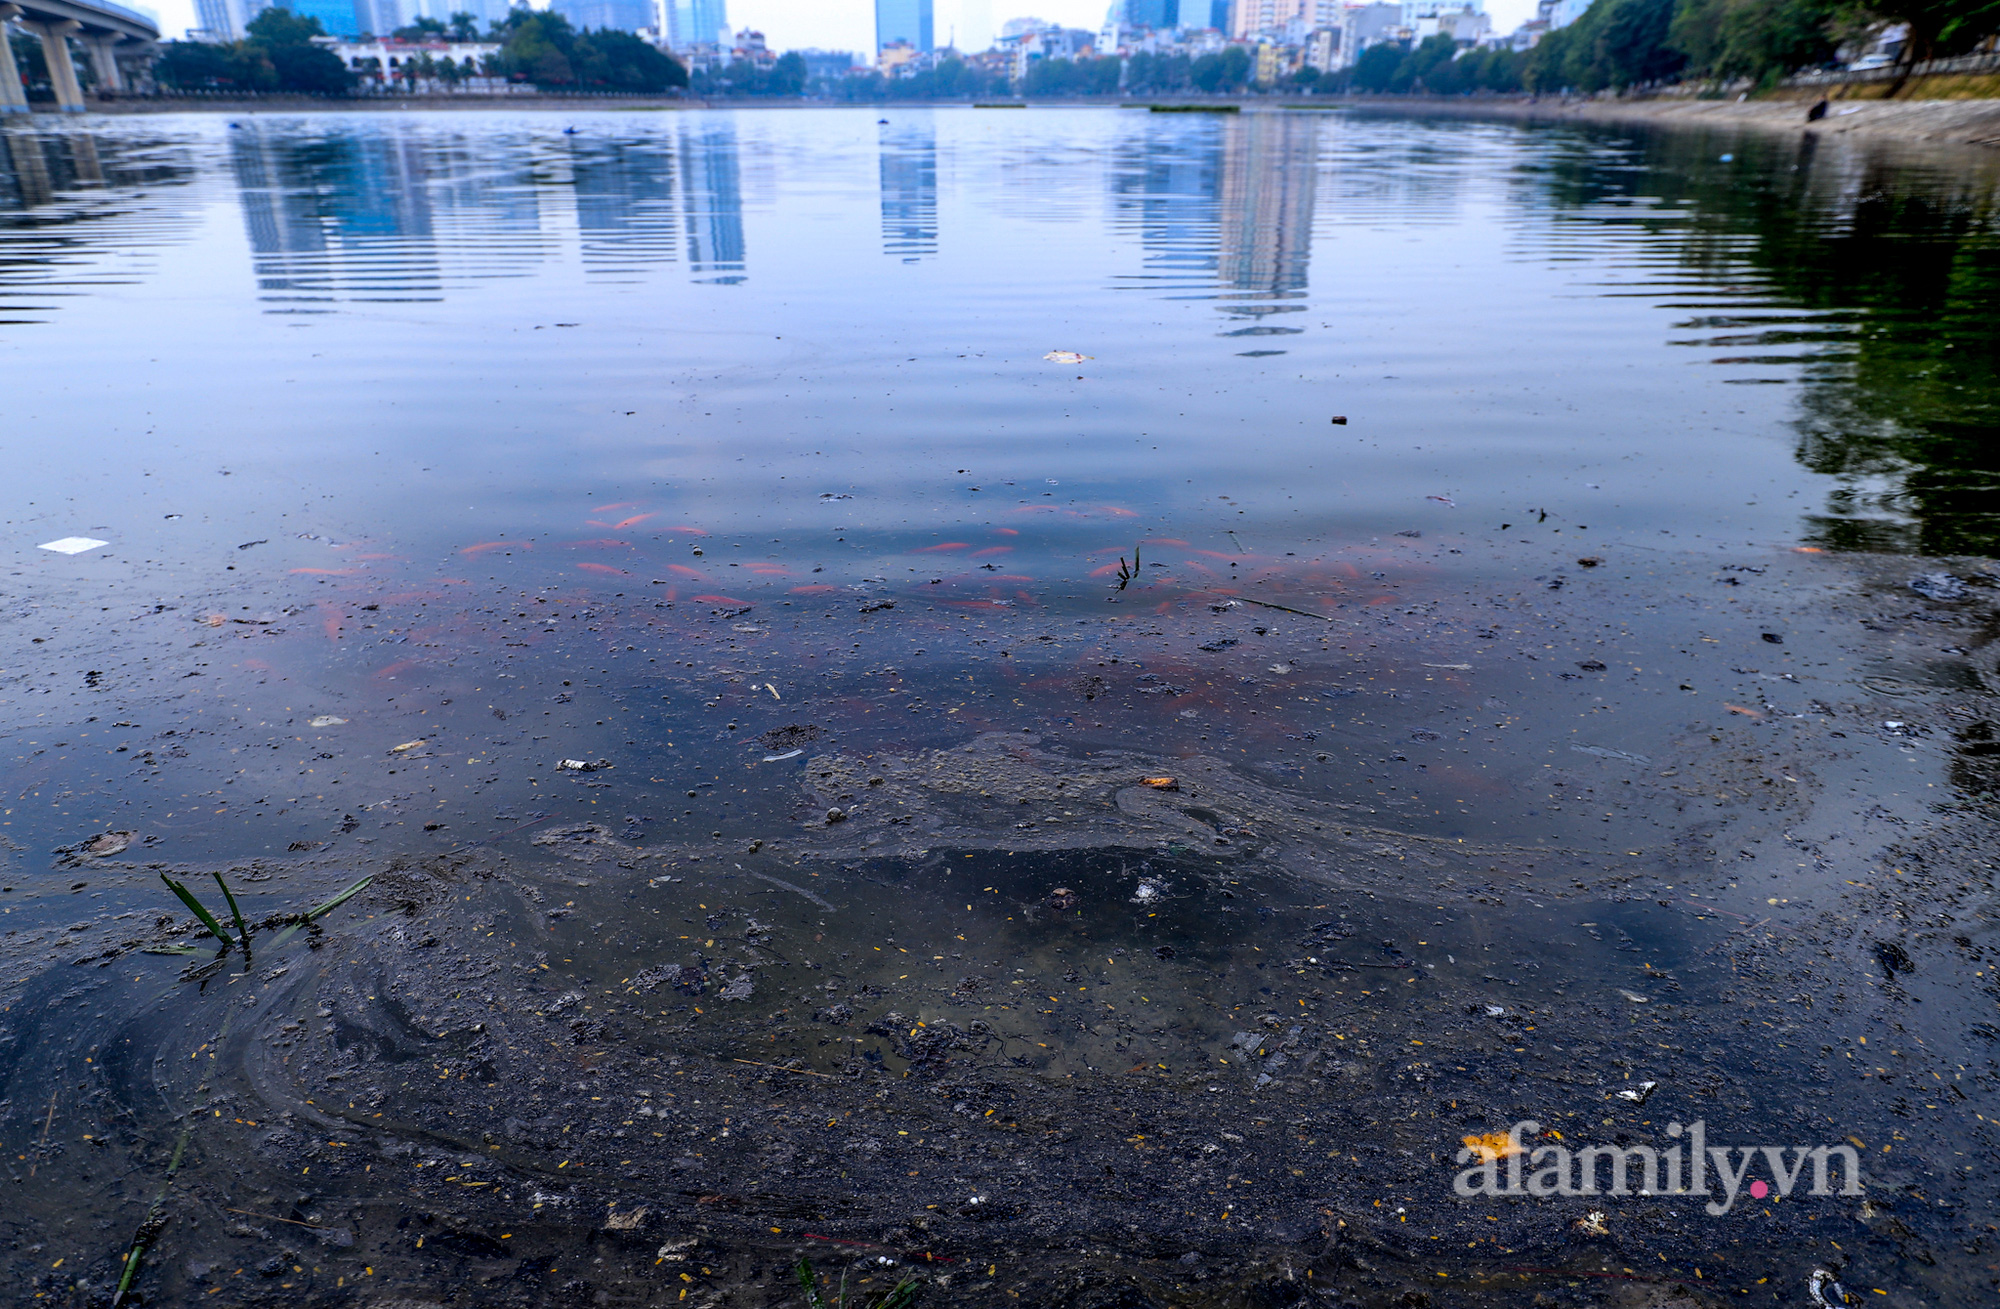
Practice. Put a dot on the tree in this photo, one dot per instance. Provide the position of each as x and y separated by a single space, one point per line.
424 29
540 46
464 27
1224 72
1938 27
787 76
276 27
1617 43
1376 67
208 66
1763 40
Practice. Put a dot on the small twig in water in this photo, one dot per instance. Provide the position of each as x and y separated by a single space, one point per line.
781 1068
1303 613
1128 575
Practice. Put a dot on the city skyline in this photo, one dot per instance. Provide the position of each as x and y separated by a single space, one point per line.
968 25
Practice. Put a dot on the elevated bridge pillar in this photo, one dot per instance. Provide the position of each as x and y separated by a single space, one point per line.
13 96
103 48
62 69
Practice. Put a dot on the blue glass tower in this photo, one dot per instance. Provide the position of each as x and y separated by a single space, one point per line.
903 20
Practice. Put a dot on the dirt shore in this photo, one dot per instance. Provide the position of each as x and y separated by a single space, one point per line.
1942 122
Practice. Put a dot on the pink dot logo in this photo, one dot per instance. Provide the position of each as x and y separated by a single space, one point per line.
1759 1190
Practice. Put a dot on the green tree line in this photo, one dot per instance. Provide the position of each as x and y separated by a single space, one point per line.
539 46
1624 43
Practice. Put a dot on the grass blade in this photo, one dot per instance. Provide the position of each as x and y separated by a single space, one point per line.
340 899
326 908
200 910
807 1283
242 928
902 1297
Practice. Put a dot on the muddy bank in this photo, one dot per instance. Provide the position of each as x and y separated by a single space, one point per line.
1934 122
1050 1018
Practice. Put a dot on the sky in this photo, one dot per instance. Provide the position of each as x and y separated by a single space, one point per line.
850 24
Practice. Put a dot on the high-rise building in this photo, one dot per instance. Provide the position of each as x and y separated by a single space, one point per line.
597 15
904 20
336 17
1158 15
697 22
1219 12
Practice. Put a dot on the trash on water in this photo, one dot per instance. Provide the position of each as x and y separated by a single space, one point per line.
101 846
1161 783
873 605
836 815
779 758
325 720
1938 586
1062 898
1496 1011
72 545
406 746
1824 1290
1493 1145
1589 561
1604 752
1635 997
1591 665
1443 500
773 690
1636 1094
1592 1223
1065 357
1148 893
1340 420
581 765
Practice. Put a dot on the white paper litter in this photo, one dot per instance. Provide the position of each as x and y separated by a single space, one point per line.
72 545
326 720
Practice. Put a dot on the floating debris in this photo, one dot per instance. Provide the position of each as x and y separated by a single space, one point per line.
1938 586
1065 357
1824 1290
72 545
1636 1095
1635 997
581 765
325 720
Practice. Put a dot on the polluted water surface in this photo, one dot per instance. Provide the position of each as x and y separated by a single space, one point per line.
599 713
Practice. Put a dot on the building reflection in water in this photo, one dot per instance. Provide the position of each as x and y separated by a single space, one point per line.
406 212
712 200
909 182
1268 171
73 203
1224 207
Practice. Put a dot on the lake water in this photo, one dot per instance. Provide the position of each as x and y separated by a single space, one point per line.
1308 635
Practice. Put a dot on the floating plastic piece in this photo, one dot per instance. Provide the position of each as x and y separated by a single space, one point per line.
1065 357
1824 1290
1161 783
780 758
581 765
1938 586
1635 997
72 545
1637 1094
325 720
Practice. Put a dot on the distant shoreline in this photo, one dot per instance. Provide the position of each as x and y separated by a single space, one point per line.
1937 122
1941 122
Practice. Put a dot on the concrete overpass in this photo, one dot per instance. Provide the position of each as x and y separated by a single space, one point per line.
106 31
